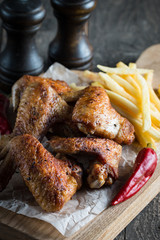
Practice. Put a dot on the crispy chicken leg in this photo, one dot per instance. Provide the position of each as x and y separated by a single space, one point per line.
108 153
94 114
51 181
39 108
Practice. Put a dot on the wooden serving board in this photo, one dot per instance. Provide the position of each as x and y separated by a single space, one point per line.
106 225
150 59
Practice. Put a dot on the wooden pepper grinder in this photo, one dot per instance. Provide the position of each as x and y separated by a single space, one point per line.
21 20
71 46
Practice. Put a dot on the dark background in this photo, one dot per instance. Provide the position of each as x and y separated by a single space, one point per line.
119 30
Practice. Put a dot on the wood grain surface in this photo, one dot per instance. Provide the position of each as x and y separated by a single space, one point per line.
118 30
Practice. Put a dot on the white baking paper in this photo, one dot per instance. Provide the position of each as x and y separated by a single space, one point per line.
86 204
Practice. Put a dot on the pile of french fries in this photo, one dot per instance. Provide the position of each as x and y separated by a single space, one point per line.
131 93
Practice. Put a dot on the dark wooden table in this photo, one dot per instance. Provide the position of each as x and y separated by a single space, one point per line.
119 30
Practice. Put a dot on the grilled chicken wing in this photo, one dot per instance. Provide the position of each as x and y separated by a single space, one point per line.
107 151
19 87
51 181
60 87
39 108
94 114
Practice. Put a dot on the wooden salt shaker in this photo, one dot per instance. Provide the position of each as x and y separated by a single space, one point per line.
71 46
21 20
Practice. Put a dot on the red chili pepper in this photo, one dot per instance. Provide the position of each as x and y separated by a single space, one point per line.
144 167
4 125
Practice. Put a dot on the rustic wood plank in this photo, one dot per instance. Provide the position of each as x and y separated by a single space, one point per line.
147 225
8 233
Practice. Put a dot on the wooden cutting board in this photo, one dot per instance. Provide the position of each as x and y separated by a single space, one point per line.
111 221
150 59
107 225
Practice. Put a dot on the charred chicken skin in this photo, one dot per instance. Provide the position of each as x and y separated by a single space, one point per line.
94 115
40 107
51 181
60 87
19 87
108 153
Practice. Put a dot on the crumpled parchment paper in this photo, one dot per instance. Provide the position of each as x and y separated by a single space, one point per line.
86 204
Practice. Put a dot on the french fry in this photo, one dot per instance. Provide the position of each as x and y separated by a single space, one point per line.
144 138
121 81
129 77
145 102
122 70
153 97
132 65
125 84
130 107
153 131
145 95
155 119
123 102
108 82
131 80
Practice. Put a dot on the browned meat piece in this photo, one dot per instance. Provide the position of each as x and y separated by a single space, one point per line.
39 108
107 151
99 174
94 114
18 88
60 87
76 170
51 181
